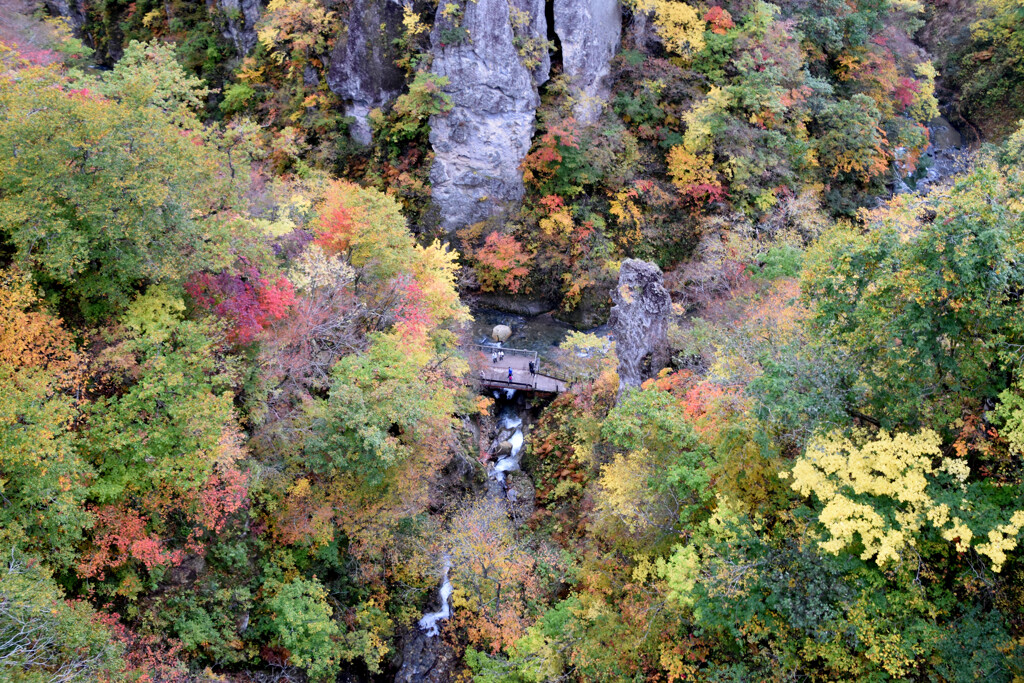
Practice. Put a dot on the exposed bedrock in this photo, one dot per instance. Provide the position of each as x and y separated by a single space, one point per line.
72 10
589 31
479 144
240 18
362 71
639 320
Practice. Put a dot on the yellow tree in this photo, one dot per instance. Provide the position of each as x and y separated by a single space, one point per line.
881 495
491 573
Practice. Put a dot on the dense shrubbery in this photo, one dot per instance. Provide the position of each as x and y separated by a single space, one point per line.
229 379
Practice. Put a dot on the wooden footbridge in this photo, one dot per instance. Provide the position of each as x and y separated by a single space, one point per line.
493 374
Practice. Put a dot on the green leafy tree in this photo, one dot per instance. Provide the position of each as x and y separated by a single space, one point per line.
123 196
43 478
301 622
44 637
149 75
659 480
926 310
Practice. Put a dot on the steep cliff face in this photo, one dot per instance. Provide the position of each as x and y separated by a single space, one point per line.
480 143
589 31
72 10
362 70
240 22
639 319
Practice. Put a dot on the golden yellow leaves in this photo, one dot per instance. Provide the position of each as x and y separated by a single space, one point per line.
897 475
680 27
688 168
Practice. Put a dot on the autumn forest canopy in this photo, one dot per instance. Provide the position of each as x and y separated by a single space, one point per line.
248 250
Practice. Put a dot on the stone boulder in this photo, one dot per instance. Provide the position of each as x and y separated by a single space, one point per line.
504 448
501 333
521 496
362 70
639 320
479 144
589 31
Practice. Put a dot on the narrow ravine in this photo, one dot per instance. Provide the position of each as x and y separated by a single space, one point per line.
502 440
429 623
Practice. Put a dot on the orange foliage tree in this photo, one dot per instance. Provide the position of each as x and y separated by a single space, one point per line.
501 263
492 575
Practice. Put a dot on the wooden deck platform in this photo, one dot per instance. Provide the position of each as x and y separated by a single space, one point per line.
495 375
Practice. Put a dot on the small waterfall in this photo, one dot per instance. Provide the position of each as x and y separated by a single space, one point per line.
428 624
510 462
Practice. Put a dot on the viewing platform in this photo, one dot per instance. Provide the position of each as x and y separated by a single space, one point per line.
494 375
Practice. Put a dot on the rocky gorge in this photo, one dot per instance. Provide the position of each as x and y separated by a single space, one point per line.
495 56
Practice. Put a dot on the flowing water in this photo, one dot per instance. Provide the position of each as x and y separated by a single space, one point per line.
428 624
509 429
946 156
540 333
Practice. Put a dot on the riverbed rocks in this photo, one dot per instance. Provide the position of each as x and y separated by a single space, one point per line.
521 497
639 320
425 659
362 70
479 144
589 32
503 448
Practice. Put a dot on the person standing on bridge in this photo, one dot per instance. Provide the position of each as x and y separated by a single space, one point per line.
494 356
510 375
533 368
501 356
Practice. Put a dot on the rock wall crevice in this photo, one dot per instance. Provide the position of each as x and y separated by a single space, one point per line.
362 70
240 19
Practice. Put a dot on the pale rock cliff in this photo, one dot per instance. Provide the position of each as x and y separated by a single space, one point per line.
480 144
589 31
72 10
639 320
362 70
240 17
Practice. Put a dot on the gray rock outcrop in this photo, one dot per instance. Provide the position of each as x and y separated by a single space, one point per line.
503 448
423 659
589 31
362 70
501 333
72 10
639 319
480 144
240 17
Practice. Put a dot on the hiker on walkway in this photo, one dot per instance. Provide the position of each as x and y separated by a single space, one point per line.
494 356
510 375
501 356
533 368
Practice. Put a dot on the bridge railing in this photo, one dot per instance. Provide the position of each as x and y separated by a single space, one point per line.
522 353
508 352
500 382
506 383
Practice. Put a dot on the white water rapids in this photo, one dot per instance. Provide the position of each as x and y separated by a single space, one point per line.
510 463
428 624
511 431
